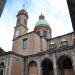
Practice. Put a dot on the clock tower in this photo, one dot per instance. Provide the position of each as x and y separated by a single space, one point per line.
21 24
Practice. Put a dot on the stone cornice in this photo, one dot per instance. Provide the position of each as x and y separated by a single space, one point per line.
53 50
49 51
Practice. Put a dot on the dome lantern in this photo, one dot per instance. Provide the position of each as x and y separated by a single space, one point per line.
42 21
41 16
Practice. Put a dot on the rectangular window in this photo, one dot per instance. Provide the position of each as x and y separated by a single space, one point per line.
25 43
18 21
45 33
25 21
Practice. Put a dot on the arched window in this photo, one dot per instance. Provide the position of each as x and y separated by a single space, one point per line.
65 66
18 21
2 64
25 22
32 63
47 67
32 68
1 68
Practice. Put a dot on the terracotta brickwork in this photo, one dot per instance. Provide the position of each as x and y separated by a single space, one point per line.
17 66
33 70
34 44
68 72
69 38
22 30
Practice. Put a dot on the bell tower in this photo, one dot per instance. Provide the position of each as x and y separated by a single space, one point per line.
21 24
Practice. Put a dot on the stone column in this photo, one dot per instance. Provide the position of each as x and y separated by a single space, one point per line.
26 66
54 64
9 65
73 62
39 68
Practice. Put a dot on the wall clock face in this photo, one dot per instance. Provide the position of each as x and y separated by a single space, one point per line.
17 33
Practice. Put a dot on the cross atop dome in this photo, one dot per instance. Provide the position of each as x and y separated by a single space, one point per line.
41 16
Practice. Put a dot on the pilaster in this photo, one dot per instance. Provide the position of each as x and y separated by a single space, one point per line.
55 64
26 66
39 68
73 61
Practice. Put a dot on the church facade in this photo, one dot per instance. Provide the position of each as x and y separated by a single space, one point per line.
36 52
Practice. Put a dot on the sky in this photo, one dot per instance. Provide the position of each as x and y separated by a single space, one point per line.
55 11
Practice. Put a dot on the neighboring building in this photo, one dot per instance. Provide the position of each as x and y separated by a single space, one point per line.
36 52
71 6
2 4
